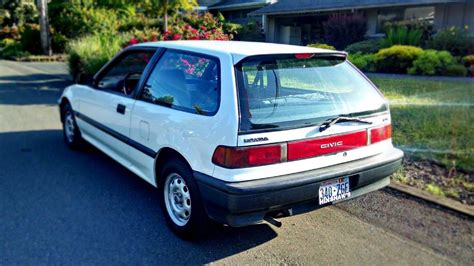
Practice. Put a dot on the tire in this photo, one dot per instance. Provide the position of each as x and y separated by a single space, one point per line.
71 133
181 202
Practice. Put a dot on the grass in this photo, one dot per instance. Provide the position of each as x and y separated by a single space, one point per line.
426 92
433 120
433 115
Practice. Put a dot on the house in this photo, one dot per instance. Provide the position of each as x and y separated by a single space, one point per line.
236 11
300 21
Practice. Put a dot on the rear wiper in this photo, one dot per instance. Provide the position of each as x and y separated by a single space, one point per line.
332 121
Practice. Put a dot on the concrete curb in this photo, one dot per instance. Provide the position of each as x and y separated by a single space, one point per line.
447 203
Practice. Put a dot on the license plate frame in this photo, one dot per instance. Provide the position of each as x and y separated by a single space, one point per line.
334 190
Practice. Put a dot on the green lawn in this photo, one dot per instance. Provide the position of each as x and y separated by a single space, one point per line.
433 115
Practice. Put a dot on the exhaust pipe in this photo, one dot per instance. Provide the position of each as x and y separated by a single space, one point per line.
272 221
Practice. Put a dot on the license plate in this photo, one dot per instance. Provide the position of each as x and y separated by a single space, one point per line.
334 190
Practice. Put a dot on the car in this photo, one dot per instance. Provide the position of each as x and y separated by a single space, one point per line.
236 133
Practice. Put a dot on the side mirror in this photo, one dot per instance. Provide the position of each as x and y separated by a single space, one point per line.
85 79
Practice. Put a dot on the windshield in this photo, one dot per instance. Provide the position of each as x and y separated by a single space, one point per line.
287 91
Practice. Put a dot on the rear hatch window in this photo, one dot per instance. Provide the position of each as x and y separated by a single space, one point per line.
278 92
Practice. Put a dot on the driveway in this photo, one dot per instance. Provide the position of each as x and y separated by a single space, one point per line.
59 206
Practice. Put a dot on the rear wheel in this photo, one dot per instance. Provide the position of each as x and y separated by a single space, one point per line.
181 201
72 135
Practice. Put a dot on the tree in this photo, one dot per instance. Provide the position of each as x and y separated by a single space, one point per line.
44 27
165 6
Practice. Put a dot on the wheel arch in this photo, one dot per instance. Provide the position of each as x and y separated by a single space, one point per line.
166 154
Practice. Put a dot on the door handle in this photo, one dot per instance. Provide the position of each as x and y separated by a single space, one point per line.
121 108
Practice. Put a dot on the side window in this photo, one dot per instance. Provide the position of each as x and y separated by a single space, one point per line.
124 75
187 82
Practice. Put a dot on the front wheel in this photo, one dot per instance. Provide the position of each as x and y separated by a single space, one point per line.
181 201
72 135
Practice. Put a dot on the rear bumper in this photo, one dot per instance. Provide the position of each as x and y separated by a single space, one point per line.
244 203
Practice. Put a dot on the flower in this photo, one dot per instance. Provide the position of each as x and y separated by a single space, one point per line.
133 41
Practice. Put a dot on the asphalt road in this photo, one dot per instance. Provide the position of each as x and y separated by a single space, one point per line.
59 206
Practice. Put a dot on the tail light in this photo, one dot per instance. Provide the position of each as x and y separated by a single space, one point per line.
231 157
242 157
380 133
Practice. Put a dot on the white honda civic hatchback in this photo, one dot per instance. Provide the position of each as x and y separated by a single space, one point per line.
237 132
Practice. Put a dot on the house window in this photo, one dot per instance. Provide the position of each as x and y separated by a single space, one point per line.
410 14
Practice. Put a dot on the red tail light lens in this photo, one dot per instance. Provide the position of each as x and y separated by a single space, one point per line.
380 133
315 147
231 157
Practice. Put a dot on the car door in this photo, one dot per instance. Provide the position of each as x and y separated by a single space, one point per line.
106 108
175 108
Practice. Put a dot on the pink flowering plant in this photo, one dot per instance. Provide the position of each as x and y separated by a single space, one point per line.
192 27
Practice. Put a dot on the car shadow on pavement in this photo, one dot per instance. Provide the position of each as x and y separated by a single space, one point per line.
61 206
32 89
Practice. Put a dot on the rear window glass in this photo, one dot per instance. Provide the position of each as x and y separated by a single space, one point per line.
281 91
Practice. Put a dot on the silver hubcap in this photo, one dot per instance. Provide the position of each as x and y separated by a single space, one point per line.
177 199
69 127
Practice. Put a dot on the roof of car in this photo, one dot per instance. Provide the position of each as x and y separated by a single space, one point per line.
237 49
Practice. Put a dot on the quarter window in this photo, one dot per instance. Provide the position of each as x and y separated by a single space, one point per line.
184 81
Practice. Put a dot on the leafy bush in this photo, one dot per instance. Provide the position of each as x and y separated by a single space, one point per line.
251 31
402 36
88 54
455 70
10 32
341 30
468 60
20 12
73 19
396 59
11 48
365 47
322 46
6 42
423 26
30 38
455 40
431 62
364 62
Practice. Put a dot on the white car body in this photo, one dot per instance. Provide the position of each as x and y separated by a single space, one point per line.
136 138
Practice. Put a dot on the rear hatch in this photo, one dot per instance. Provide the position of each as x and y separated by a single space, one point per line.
300 106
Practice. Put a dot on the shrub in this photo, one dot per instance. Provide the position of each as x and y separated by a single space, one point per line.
88 54
431 62
72 19
251 32
396 59
402 35
20 12
341 30
11 48
468 60
455 40
364 62
423 26
365 47
30 38
322 46
455 70
6 42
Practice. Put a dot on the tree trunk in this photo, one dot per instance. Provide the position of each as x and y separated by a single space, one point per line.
165 6
44 27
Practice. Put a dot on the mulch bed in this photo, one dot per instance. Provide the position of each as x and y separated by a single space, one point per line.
437 179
